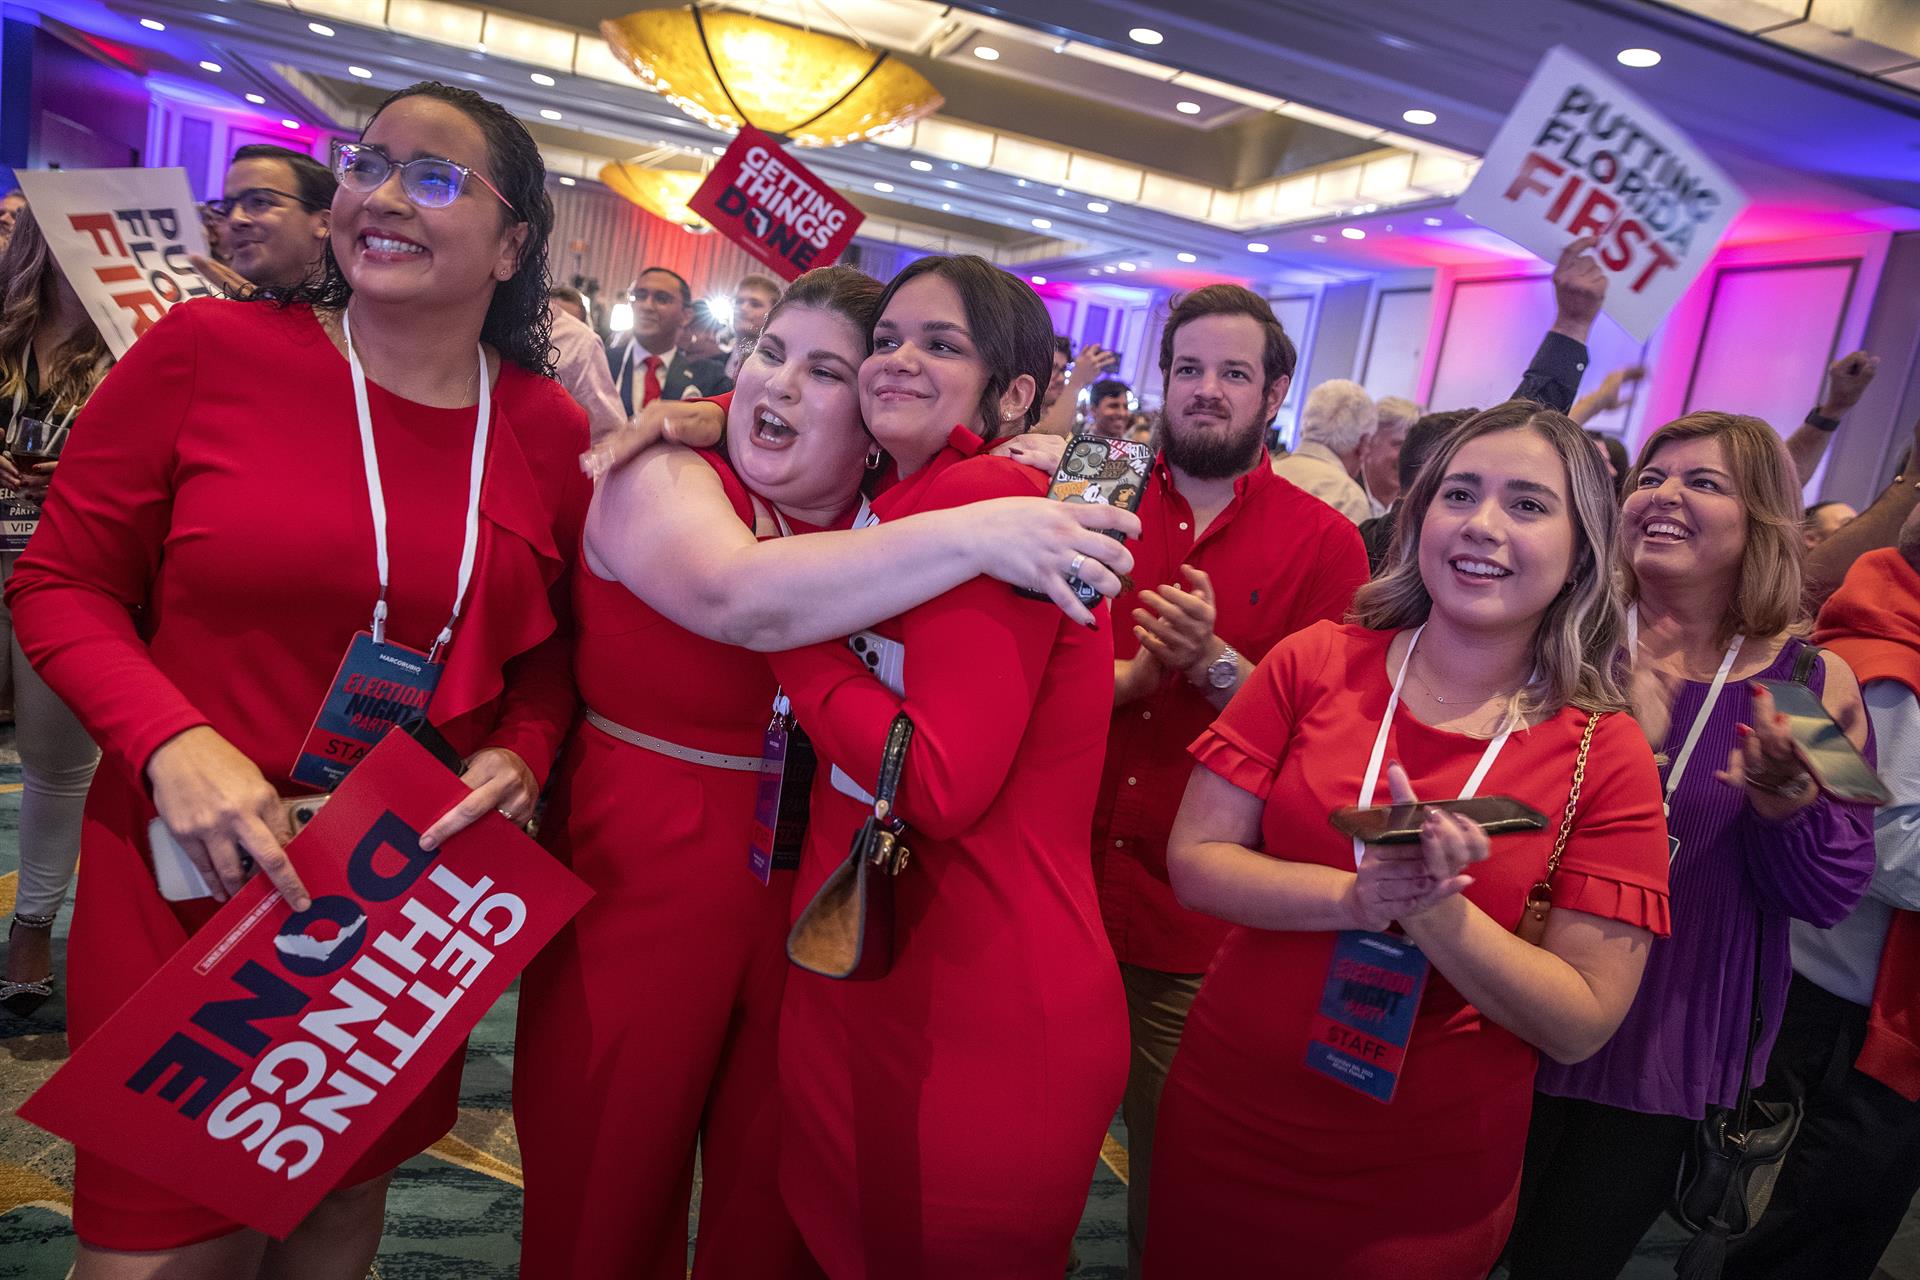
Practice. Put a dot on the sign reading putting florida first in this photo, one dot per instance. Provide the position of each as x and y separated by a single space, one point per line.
774 207
272 1050
1581 155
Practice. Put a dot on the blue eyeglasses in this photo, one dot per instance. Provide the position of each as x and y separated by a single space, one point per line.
428 182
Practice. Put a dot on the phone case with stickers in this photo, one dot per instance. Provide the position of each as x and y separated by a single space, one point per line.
1100 470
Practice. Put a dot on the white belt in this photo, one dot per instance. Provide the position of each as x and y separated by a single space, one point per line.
692 755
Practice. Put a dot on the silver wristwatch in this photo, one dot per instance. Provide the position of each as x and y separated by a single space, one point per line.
1224 671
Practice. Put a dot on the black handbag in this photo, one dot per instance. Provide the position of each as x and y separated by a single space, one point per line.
1732 1163
846 931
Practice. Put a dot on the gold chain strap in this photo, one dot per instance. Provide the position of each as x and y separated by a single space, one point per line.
1533 919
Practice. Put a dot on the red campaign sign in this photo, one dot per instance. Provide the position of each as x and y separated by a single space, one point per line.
271 1051
775 208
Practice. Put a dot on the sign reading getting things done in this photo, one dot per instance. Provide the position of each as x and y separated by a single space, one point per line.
1582 156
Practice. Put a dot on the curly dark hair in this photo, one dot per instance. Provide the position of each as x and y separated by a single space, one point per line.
517 324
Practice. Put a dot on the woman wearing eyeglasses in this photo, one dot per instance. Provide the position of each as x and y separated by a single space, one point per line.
210 555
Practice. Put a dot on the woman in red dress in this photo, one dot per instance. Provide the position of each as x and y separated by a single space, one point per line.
209 553
944 1120
628 1052
1478 661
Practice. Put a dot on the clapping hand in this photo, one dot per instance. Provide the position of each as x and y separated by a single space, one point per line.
1176 626
1765 761
1399 881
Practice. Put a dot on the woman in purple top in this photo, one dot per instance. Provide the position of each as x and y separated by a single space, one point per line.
1713 555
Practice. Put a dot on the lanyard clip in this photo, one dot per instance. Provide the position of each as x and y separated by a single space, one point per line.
380 621
440 642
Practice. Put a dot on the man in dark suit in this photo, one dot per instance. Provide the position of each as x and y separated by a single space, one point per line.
647 361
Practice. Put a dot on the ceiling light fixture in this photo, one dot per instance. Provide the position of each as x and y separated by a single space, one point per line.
1043 224
1318 238
566 181
256 100
1418 115
320 28
920 166
1095 206
291 124
1127 266
1187 108
1434 222
883 187
1352 233
1145 35
542 78
986 53
728 69
152 24
208 65
1038 279
662 192
1186 257
360 73
548 113
1638 57
1256 246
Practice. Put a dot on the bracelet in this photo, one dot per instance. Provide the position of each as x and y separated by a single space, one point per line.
1786 788
1815 418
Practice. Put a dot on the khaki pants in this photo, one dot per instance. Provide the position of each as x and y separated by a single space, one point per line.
1157 1006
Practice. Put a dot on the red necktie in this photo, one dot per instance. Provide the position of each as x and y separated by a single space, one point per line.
650 390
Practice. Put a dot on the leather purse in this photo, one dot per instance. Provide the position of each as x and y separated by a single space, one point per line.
1729 1169
846 931
1533 918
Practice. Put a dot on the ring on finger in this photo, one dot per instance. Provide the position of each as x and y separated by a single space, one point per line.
507 814
1073 566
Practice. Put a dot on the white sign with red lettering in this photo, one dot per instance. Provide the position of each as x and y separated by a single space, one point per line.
121 237
1580 155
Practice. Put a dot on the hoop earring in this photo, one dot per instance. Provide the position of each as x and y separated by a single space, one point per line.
874 455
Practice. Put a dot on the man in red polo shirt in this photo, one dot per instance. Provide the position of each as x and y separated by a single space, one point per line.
1232 558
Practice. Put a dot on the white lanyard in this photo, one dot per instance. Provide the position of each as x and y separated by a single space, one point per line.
376 496
1372 779
1699 725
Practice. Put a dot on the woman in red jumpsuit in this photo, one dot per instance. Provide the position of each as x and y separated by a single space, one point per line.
629 1051
944 1120
1478 661
209 554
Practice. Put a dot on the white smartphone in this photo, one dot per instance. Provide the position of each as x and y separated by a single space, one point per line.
887 659
180 880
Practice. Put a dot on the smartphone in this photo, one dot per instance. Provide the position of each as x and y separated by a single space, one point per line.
1830 756
1400 823
1096 469
180 880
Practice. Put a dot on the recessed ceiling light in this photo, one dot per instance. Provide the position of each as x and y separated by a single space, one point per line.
320 28
1318 238
1186 257
256 100
1256 246
152 24
209 65
1038 279
1353 233
922 166
1434 222
1638 57
566 181
1145 35
1095 206
360 73
1043 224
1418 115
719 151
1127 266
949 184
945 207
1187 108
883 186
291 124
986 53
541 77
548 113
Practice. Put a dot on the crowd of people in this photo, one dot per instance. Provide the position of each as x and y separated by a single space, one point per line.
1134 887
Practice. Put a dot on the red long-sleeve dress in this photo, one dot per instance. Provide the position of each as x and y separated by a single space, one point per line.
943 1121
1264 1167
206 556
649 1022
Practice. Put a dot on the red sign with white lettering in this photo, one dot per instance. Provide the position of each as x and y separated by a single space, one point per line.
273 1049
775 208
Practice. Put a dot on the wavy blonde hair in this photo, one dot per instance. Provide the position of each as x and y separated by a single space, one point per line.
1770 594
1581 631
28 277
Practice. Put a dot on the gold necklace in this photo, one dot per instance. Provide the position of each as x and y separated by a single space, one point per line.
1456 701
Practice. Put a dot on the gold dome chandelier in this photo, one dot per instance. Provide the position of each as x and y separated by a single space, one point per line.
730 69
664 193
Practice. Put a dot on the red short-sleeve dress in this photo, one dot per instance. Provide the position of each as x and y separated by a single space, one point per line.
943 1121
1264 1167
649 1022
205 558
